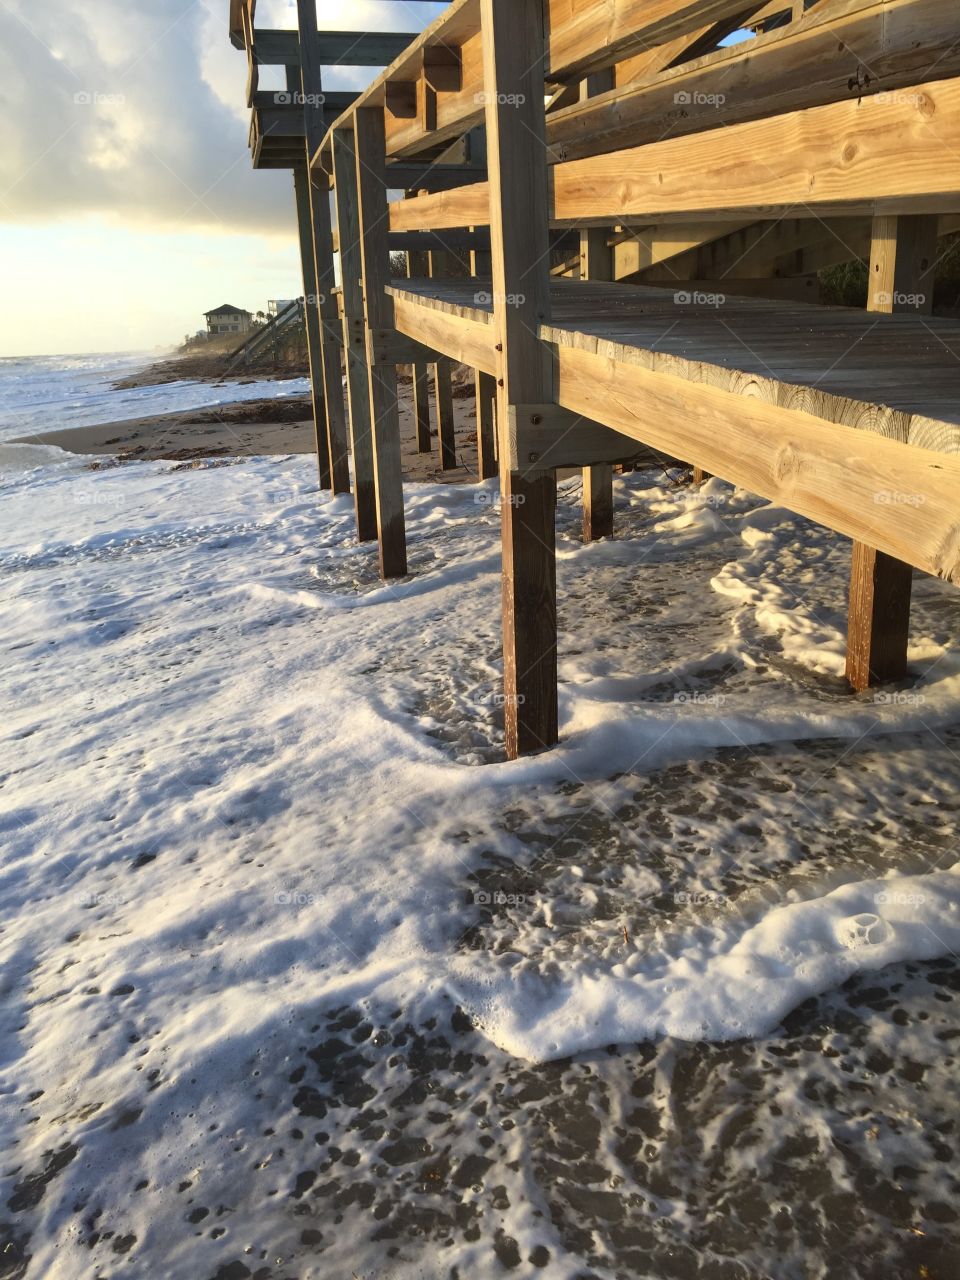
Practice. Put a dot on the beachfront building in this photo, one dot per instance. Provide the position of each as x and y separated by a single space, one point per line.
228 319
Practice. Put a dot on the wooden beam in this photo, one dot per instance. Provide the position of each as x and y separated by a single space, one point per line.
513 46
378 313
588 37
842 477
889 159
548 436
837 475
849 50
463 337
354 333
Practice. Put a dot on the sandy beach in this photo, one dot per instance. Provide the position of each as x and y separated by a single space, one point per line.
260 427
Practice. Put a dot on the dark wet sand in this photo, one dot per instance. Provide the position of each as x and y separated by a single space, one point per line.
249 428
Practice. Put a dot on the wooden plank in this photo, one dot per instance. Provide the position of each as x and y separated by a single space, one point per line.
335 48
587 37
850 50
883 154
840 476
548 436
897 379
513 47
301 180
469 340
354 333
378 313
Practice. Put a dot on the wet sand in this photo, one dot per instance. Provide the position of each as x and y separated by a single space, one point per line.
255 427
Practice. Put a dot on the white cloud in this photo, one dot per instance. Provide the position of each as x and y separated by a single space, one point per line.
135 109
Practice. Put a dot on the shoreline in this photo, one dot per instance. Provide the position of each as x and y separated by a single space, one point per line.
252 428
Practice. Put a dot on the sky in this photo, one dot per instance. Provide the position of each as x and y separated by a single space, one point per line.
128 205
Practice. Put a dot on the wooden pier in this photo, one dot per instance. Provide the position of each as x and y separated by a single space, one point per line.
638 213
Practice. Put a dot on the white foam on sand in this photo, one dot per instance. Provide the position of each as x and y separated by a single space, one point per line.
242 778
733 981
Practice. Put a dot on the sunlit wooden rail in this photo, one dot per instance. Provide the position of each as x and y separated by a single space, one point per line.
706 183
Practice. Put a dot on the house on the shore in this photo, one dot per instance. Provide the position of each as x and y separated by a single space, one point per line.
228 319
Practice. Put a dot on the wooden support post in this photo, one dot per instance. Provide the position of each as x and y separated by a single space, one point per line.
301 186
443 383
370 142
354 333
418 266
596 263
446 423
486 388
879 629
513 52
323 298
902 258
